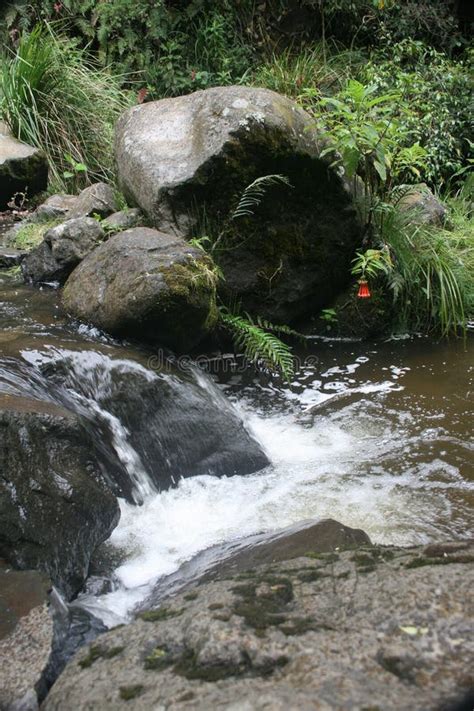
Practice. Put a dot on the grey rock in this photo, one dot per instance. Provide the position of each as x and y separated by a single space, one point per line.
10 257
63 247
26 637
177 157
123 220
422 206
22 167
379 628
265 548
54 504
145 284
72 240
54 207
97 199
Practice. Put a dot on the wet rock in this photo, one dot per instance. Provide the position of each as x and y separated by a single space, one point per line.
422 206
10 257
63 247
177 157
175 427
54 504
22 167
40 267
26 637
123 220
342 630
147 285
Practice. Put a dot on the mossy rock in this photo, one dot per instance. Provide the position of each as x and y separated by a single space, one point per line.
146 285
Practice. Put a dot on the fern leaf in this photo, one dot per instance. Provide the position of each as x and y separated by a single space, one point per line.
254 194
259 345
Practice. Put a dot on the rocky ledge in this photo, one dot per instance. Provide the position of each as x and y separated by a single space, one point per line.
374 628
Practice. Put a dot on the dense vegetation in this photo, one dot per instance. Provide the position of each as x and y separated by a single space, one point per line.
386 80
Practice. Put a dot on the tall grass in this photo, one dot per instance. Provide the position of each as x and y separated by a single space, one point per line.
432 279
55 97
307 72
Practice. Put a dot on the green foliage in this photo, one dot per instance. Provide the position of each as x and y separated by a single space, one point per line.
378 23
372 263
53 96
258 343
252 196
172 48
435 106
31 234
365 134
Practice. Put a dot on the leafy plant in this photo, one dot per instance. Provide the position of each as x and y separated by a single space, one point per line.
372 263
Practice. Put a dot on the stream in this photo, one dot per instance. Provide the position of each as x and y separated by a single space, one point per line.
376 435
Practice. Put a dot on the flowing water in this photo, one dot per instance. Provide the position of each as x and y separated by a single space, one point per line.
375 435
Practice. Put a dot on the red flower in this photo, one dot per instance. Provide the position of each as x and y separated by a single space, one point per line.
364 291
58 6
142 94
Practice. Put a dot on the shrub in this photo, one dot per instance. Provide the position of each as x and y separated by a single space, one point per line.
436 95
172 48
53 96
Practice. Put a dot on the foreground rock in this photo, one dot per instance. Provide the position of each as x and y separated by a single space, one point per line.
26 636
62 249
265 548
22 167
54 505
178 156
148 285
378 628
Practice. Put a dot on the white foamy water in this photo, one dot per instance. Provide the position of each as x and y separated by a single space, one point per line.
336 467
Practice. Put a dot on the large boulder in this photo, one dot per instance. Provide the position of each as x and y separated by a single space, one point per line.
189 158
61 250
55 507
148 285
375 628
22 167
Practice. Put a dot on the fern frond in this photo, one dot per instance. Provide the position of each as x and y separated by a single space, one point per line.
254 194
259 345
277 328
